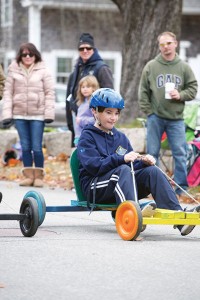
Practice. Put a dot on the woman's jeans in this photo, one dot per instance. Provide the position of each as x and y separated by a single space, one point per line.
175 130
31 135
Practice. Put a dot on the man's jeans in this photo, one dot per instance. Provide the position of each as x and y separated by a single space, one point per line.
31 135
175 130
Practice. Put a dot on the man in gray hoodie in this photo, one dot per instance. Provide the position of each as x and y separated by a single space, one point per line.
166 83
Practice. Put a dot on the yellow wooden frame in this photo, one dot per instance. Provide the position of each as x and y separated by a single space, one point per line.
171 217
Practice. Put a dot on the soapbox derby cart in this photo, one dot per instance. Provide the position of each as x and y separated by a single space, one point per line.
127 216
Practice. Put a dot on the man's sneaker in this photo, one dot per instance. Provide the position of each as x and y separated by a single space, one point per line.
147 207
186 229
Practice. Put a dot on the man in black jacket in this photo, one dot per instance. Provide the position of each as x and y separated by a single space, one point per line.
88 63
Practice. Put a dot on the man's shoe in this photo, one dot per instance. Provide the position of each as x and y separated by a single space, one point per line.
186 229
147 207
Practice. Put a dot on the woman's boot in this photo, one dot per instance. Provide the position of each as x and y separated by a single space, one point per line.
39 175
29 177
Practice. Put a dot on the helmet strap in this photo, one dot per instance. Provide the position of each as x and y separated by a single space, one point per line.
99 123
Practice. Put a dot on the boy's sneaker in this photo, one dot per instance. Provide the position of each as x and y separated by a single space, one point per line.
186 229
147 207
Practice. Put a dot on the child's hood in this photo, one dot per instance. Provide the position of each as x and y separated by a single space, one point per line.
94 129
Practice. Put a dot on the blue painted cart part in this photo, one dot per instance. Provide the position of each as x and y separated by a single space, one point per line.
112 206
66 208
40 202
80 206
75 203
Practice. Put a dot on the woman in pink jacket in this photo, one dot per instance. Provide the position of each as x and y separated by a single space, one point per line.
2 79
29 99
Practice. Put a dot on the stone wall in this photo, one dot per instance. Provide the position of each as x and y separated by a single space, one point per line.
8 138
55 142
137 137
60 142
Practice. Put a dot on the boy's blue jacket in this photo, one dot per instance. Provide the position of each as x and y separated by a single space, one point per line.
100 152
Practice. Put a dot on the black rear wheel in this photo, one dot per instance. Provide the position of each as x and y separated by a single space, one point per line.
30 223
113 214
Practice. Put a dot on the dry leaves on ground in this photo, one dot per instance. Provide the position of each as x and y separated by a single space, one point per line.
57 171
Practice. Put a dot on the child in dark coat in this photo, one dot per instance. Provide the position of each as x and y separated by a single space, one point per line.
105 155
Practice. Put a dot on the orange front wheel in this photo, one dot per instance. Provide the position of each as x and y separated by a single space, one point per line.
128 220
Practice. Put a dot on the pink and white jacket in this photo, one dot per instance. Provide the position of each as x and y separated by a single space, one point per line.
28 94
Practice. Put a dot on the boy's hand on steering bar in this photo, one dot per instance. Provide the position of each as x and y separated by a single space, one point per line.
131 156
148 159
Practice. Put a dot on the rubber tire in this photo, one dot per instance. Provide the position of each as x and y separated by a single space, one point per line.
113 214
143 228
128 220
30 224
40 202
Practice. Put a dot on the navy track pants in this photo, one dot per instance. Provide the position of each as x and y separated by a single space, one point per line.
117 186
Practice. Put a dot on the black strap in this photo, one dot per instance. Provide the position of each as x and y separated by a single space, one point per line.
94 181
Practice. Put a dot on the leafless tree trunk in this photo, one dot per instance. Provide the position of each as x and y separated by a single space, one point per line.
143 21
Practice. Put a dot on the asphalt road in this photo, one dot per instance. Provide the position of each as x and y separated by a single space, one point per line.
80 256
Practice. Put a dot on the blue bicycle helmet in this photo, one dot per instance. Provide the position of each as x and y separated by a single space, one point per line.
106 97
